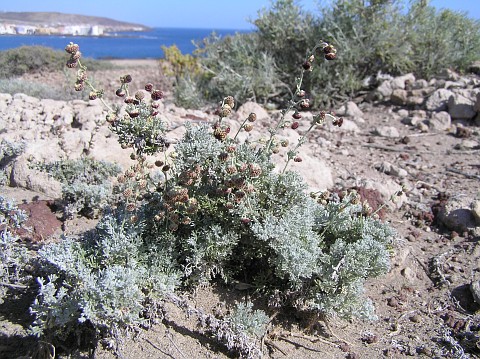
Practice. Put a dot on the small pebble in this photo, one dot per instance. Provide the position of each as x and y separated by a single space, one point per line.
415 318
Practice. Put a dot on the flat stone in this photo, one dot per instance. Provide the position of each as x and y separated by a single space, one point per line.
438 100
456 214
384 90
475 289
461 107
476 211
440 121
386 131
399 97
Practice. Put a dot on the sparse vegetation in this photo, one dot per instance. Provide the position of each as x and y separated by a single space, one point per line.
374 36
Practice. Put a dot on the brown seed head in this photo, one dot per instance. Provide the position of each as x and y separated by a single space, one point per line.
329 49
305 103
297 115
126 79
149 87
225 111
157 95
111 117
229 100
77 55
307 66
79 86
330 56
92 95
252 117
298 159
294 125
139 95
248 127
71 48
133 113
120 92
131 207
71 63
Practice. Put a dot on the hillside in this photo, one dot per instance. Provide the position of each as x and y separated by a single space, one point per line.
56 19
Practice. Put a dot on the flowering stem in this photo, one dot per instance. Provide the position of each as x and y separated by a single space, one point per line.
89 84
301 140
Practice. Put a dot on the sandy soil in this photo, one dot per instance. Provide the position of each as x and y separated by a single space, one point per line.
424 305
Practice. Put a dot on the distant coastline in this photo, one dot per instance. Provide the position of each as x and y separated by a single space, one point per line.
121 45
59 24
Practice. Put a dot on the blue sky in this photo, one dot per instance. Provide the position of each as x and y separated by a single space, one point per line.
211 14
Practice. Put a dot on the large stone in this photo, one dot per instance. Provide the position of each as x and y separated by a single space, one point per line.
75 142
440 121
414 100
475 67
5 100
247 108
384 90
476 211
399 97
438 100
391 170
461 106
400 81
476 107
26 177
313 169
350 109
386 131
456 214
419 84
87 114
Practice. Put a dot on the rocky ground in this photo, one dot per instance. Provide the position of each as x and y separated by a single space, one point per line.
405 133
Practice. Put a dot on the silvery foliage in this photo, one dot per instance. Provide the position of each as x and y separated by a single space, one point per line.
244 319
105 279
86 188
8 152
12 254
312 255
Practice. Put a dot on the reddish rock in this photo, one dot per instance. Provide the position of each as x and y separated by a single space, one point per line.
42 222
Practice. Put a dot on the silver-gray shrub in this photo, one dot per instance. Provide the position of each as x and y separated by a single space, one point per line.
13 255
86 184
105 279
221 211
384 36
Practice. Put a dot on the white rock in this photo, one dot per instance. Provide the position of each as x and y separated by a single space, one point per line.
399 82
440 121
248 107
461 107
456 214
386 131
475 206
438 101
392 170
25 177
384 90
350 109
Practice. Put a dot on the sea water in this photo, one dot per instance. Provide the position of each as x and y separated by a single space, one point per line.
124 45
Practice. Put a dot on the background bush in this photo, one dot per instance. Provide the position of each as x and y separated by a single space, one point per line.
373 36
37 59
